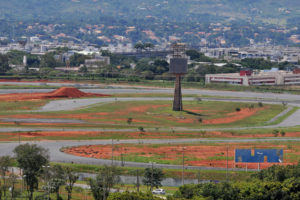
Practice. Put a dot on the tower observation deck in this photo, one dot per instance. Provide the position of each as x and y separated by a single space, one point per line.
178 67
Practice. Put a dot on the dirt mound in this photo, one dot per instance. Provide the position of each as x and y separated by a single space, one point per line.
64 92
69 92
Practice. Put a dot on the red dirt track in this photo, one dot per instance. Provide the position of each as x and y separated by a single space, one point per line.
204 155
64 92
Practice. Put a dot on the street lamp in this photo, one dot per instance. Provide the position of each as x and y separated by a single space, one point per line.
260 154
151 187
46 167
183 149
112 152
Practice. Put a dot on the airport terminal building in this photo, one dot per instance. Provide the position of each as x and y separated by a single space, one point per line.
247 77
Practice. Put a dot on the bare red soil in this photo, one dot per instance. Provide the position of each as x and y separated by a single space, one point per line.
233 117
64 92
204 155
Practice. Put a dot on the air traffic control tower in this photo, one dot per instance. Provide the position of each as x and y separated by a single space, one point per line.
178 67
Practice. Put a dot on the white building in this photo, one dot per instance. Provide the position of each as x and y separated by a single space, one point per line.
261 78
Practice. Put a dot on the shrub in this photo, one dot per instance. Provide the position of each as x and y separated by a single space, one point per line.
282 133
141 129
275 132
200 120
129 120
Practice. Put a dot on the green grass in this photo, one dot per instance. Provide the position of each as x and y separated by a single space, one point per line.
282 118
17 106
41 86
169 173
163 116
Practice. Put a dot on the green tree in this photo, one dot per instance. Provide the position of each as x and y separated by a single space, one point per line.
193 54
153 177
83 69
48 61
4 66
139 46
132 196
71 179
12 181
148 46
105 180
57 179
5 163
78 59
30 159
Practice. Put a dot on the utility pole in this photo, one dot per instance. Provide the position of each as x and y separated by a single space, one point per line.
152 179
47 179
112 152
137 181
182 176
227 165
260 155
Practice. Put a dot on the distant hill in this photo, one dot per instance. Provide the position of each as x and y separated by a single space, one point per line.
270 11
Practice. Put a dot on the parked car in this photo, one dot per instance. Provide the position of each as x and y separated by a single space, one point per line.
158 191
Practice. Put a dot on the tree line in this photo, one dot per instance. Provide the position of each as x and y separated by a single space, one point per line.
38 174
127 68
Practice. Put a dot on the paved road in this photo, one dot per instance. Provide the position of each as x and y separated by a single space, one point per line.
57 156
71 104
48 121
123 90
80 103
55 84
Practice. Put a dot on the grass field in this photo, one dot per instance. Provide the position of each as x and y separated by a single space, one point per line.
17 86
169 173
156 114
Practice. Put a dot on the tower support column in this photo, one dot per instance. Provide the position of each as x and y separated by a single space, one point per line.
177 102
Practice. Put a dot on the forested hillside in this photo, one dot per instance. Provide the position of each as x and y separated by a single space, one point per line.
278 11
209 22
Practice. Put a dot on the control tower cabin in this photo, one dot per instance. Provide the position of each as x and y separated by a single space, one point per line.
178 67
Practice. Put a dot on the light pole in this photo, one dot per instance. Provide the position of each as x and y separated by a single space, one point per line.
151 186
23 184
227 165
260 154
112 152
182 177
46 167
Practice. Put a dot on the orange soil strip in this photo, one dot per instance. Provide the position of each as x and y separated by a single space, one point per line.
64 92
60 116
144 108
204 155
235 116
195 111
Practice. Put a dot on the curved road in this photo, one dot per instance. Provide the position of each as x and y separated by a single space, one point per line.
57 156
